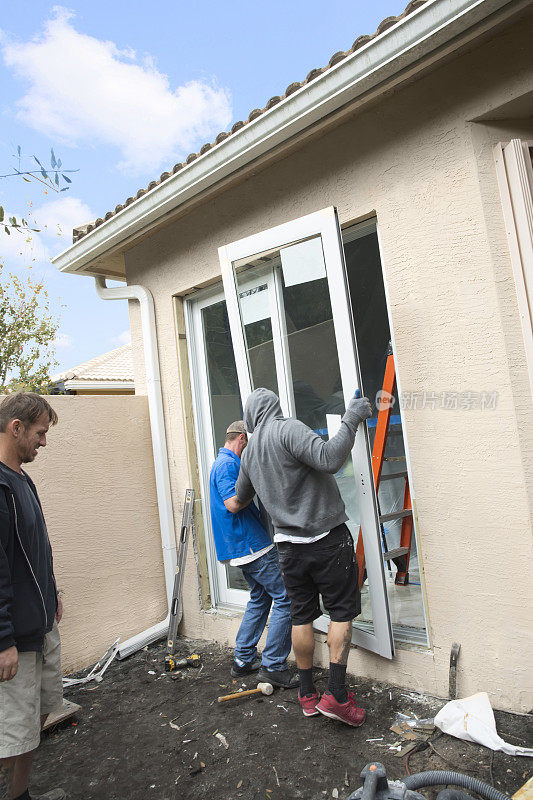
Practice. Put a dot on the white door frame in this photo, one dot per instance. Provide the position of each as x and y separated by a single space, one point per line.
220 592
324 224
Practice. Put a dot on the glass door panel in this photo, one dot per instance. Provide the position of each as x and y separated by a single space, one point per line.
301 266
257 309
371 319
217 402
223 386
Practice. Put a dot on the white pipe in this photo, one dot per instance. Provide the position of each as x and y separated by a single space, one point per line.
159 444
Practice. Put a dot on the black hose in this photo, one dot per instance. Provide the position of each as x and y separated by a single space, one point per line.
453 794
445 778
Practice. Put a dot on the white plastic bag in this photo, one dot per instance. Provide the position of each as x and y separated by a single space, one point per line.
472 720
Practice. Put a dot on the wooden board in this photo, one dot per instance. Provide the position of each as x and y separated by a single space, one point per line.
526 792
66 711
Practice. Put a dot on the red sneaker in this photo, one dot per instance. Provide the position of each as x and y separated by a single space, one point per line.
308 703
347 712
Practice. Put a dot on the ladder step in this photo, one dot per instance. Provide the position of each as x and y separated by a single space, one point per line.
394 458
406 512
392 554
392 475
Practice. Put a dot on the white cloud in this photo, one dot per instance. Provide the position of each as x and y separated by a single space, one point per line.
57 218
122 338
86 90
63 341
53 222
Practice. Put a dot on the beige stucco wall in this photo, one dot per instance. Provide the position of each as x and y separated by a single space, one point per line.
96 482
419 162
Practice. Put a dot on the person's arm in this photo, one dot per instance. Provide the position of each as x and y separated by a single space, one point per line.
225 479
234 506
59 612
8 650
309 448
244 489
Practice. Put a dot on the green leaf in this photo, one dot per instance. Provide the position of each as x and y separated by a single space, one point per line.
7 230
1 214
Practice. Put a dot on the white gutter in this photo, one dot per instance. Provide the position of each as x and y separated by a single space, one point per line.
435 29
159 444
98 385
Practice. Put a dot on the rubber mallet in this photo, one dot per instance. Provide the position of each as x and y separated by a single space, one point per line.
262 688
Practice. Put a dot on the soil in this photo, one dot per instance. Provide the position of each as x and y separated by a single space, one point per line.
142 733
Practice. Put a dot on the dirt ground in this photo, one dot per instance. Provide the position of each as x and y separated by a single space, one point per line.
143 734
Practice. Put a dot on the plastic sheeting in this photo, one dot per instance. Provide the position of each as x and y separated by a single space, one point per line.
472 720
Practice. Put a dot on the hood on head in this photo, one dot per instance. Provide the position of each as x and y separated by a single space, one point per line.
261 404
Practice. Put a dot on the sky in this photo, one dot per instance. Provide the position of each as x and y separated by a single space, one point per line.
123 90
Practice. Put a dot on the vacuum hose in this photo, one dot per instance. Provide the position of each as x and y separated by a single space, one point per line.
445 778
453 794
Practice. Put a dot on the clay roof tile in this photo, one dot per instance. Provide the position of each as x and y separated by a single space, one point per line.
337 57
292 87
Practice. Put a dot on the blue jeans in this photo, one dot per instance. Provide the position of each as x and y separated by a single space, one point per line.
263 576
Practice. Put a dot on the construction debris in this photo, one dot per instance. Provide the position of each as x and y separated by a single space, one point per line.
67 710
472 720
222 739
96 673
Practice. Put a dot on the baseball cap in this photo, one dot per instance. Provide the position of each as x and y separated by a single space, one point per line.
236 427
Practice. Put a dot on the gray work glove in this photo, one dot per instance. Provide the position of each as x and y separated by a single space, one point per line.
359 409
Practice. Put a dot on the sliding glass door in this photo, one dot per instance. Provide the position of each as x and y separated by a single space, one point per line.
290 316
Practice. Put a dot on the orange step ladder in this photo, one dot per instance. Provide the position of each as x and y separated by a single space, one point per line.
401 554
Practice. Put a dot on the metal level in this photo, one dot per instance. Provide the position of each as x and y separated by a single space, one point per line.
176 608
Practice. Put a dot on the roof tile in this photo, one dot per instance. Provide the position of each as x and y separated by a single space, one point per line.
337 57
292 87
116 365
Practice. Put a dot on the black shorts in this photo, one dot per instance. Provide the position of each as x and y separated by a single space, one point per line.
327 567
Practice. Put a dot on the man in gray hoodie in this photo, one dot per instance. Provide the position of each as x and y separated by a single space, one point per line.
292 469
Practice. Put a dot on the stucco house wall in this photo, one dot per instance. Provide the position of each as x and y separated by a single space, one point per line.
96 482
421 161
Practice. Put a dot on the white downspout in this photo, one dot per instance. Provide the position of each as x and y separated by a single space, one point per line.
159 444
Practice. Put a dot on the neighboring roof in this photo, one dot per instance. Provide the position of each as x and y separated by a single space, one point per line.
336 58
116 366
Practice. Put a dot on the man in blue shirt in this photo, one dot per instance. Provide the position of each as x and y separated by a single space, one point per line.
242 541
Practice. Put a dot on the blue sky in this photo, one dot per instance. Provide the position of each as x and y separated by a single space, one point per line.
123 90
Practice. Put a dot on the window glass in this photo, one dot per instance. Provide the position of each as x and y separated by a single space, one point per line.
224 395
369 308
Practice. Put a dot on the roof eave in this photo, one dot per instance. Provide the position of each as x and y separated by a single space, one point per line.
403 46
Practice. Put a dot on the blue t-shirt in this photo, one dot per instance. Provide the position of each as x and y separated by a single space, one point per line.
239 534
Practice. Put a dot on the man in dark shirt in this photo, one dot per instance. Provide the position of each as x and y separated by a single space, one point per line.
30 607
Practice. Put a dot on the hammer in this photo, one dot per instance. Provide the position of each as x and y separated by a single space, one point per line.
262 688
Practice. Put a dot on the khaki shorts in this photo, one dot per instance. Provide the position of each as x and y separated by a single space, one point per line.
36 689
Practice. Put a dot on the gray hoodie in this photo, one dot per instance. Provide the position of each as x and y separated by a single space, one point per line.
291 469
